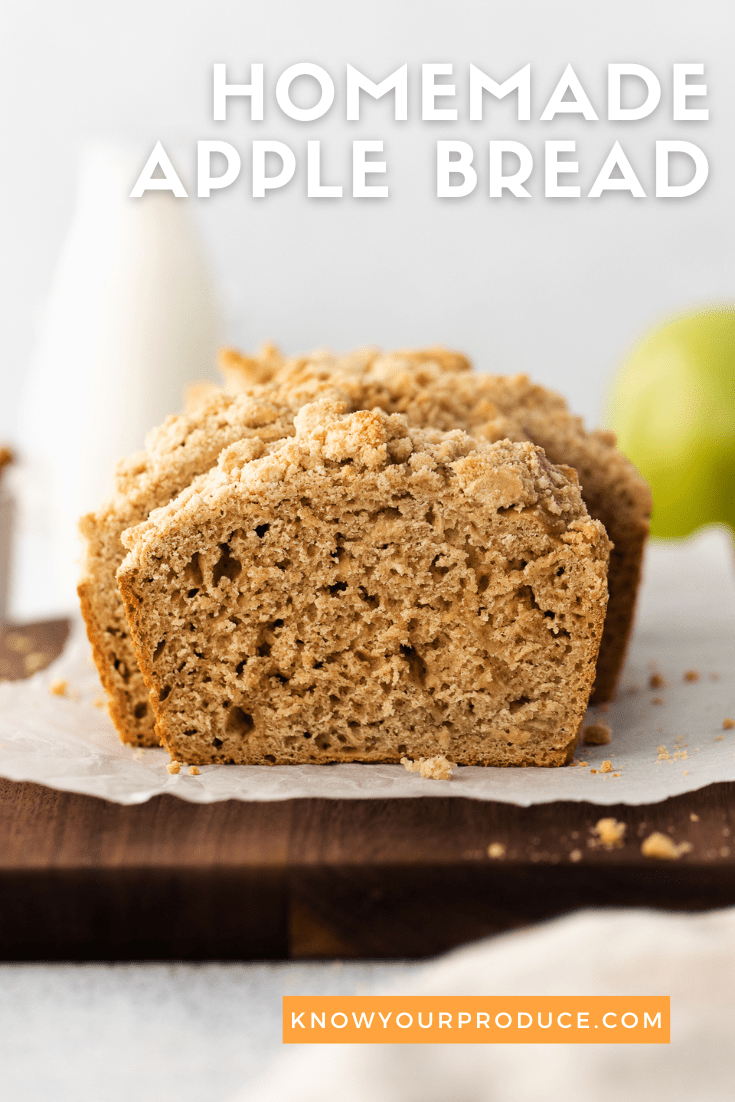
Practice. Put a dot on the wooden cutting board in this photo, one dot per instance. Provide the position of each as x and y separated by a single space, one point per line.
84 879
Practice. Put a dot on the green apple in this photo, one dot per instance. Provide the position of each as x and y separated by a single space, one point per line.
673 409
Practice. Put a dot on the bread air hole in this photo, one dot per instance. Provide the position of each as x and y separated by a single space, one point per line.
122 669
239 722
416 664
226 566
193 571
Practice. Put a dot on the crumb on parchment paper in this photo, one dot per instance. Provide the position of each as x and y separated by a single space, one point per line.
58 687
610 833
691 675
656 681
98 702
728 724
438 768
606 767
662 847
597 734
174 766
496 850
193 771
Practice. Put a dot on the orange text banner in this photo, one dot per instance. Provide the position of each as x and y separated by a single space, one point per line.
475 1020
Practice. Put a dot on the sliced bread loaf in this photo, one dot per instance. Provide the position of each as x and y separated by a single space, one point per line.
366 591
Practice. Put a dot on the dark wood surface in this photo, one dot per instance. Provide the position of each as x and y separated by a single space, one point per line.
81 878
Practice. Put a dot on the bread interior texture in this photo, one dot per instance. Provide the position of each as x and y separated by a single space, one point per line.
369 591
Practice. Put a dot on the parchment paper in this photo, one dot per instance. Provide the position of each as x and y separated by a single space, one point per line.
686 622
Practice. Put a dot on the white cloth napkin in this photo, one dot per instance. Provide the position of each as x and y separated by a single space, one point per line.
689 957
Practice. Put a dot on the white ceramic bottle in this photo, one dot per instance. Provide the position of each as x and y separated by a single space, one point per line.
131 319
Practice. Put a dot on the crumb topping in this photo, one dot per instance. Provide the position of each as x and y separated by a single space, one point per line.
437 768
610 832
597 734
661 846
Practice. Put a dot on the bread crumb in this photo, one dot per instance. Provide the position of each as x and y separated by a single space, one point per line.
575 855
597 734
658 700
610 833
21 644
728 724
58 687
98 702
496 850
173 766
661 846
606 767
438 768
35 661
193 771
694 817
691 675
719 738
663 754
656 681
581 763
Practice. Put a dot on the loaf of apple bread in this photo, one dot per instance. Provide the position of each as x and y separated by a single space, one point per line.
184 447
367 590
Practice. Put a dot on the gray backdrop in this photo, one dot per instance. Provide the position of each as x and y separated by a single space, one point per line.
559 288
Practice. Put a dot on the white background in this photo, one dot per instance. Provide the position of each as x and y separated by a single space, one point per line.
558 288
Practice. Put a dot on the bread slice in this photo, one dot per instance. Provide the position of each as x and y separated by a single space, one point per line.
436 387
367 591
265 398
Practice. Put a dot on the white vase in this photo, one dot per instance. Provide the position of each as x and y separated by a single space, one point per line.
131 319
